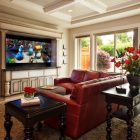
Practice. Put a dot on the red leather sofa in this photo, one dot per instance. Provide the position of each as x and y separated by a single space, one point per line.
78 76
86 106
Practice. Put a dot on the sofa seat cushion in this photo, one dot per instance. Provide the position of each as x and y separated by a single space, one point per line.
77 76
69 87
90 75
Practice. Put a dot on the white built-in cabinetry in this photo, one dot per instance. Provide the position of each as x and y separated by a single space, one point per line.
17 80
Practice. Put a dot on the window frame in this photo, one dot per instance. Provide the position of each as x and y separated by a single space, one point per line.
135 41
93 46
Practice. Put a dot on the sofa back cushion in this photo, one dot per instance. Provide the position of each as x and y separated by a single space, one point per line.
103 74
77 76
90 75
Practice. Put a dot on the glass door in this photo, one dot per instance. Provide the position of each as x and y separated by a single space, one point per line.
106 46
84 52
104 51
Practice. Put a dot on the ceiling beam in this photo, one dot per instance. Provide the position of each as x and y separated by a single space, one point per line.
57 6
25 4
96 5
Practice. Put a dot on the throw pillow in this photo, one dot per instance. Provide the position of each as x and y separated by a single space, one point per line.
77 76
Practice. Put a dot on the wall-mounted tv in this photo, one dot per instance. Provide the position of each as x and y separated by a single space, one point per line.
25 52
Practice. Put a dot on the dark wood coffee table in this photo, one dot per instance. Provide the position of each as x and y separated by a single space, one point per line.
33 114
130 109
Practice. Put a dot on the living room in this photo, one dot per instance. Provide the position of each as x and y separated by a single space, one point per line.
40 20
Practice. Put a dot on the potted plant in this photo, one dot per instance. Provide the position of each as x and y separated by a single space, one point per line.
29 93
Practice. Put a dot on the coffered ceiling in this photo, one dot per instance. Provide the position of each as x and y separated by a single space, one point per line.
70 13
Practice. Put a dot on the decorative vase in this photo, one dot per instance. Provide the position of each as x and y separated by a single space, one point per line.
29 96
134 83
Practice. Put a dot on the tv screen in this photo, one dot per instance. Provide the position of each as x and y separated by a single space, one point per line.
25 52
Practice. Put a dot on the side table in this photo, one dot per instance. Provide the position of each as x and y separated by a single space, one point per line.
131 109
33 114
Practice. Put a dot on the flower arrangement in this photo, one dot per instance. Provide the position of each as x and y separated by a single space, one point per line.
128 60
103 58
29 92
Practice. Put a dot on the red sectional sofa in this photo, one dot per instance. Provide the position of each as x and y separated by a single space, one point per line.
78 76
86 106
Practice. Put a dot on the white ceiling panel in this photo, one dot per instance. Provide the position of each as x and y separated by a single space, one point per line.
71 13
76 10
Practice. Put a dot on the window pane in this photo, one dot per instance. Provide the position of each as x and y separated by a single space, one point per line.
85 52
105 51
123 40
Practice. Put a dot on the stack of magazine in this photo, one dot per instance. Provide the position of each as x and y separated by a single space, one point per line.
34 101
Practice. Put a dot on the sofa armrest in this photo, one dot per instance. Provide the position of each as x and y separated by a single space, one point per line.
62 80
61 98
72 106
81 93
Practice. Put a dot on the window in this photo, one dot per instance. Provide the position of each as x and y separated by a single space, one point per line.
104 49
84 52
97 56
106 46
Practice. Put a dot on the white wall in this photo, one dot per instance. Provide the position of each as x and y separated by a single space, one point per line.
65 41
119 24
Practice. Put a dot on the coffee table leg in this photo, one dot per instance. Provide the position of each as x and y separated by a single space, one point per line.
129 122
28 133
109 117
39 126
62 126
8 125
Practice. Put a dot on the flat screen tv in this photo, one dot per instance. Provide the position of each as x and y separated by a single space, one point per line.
24 52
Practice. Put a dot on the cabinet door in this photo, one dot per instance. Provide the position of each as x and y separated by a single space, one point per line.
24 83
49 80
41 81
15 87
34 82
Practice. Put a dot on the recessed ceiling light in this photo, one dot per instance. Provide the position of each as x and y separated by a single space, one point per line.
69 10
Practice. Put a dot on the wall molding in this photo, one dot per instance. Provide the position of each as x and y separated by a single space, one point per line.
9 18
29 30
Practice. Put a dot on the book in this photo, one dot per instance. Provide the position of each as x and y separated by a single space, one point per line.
34 101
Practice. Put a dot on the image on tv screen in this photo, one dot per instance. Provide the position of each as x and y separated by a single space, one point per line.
26 50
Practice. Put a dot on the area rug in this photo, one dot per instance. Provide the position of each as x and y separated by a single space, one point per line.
119 130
